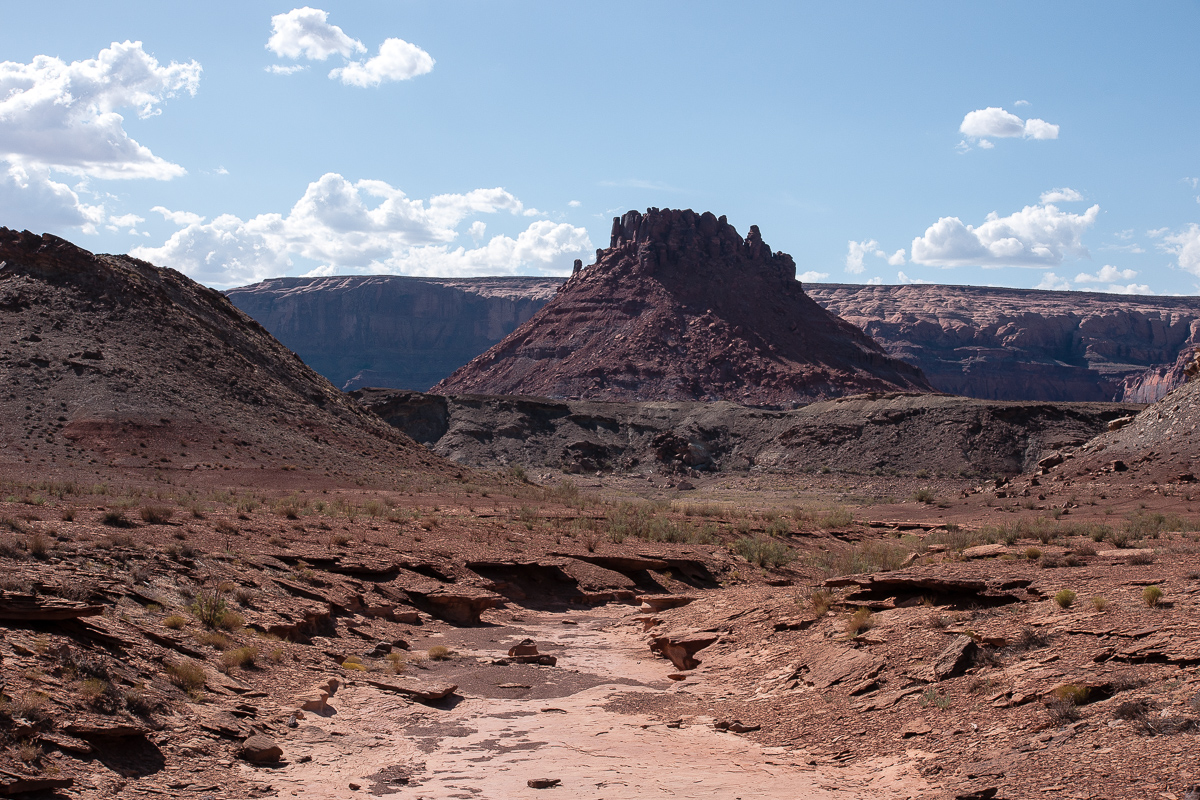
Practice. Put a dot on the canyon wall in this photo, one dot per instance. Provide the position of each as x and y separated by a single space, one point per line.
391 330
1027 344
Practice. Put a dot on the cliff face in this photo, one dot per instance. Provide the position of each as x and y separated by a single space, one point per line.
389 330
680 307
1025 344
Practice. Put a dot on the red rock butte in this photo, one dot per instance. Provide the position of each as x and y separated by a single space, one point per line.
680 307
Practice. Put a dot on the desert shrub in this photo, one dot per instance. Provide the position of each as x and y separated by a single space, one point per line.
231 621
175 622
439 653
239 657
1085 549
1119 538
924 495
226 528
1032 553
861 620
156 515
1152 596
1030 639
214 639
930 697
1140 558
38 545
186 674
374 508
821 601
1074 693
28 752
244 596
139 702
869 556
1064 598
764 552
354 664
1062 712
116 519
1099 603
67 514
92 688
835 518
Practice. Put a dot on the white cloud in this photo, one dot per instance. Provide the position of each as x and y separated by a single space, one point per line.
812 276
477 230
398 60
1063 195
1133 288
1185 245
1036 236
1155 233
366 227
984 144
1040 129
1107 274
896 259
64 116
574 203
276 69
306 32
996 123
857 251
876 281
1021 103
180 218
30 199
904 279
1052 282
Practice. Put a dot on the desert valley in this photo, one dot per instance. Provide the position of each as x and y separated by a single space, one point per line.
656 540
608 401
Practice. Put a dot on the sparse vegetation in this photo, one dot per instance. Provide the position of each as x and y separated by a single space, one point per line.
186 674
1064 598
439 653
861 620
1099 603
156 515
924 495
764 552
1152 596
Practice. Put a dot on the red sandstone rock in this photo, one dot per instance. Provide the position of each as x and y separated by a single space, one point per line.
680 307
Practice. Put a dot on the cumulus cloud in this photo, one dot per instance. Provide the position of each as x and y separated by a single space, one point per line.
574 203
306 33
1185 245
178 217
1107 274
857 251
398 60
64 116
876 281
812 276
364 227
904 279
1035 236
989 123
1063 195
1052 282
896 259
30 199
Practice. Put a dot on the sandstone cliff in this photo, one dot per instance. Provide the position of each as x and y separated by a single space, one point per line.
680 307
1025 344
390 330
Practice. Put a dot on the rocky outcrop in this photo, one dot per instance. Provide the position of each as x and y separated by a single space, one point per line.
1026 344
900 433
391 330
680 307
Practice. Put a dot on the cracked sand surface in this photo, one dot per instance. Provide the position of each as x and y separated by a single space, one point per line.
488 748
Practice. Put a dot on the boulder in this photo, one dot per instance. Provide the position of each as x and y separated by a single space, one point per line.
260 749
680 648
526 647
955 659
416 690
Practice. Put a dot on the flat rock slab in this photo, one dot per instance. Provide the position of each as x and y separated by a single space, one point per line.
416 690
1138 552
825 665
985 551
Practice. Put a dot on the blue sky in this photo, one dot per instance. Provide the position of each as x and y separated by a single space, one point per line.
1016 144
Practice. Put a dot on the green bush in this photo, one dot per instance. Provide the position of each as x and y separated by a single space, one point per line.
1064 598
764 552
